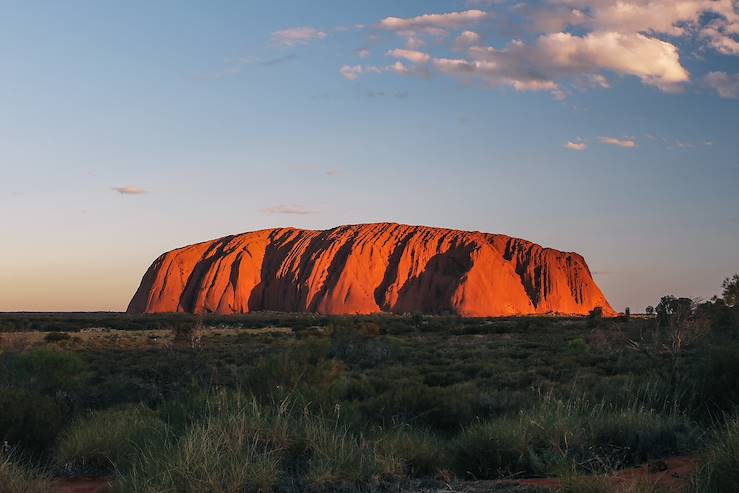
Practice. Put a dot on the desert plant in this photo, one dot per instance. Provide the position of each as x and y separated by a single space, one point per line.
29 421
109 439
420 451
491 449
18 477
719 471
222 454
336 455
49 371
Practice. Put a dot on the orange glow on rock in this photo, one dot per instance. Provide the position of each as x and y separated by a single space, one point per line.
369 268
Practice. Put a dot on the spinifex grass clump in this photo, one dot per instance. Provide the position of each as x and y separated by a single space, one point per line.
110 439
557 436
719 471
17 477
241 445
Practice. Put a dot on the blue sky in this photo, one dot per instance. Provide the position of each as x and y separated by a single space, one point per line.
613 134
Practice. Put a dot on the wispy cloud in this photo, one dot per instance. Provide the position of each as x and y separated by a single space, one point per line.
297 36
276 61
430 21
235 66
727 86
287 209
411 55
352 72
627 143
129 190
576 146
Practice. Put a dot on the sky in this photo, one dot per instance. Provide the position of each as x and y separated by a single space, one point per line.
131 128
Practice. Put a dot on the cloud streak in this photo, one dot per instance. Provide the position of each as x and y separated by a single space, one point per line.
297 36
128 190
625 143
434 21
576 146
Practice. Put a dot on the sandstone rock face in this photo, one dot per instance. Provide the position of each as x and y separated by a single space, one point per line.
369 268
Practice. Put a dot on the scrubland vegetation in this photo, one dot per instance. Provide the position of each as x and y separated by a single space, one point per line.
272 402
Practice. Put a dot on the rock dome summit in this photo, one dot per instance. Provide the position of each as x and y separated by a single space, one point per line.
370 268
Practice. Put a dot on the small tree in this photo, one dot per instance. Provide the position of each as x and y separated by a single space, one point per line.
674 329
649 310
731 290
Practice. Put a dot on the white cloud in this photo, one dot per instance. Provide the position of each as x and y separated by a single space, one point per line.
128 190
287 209
363 53
566 45
561 56
576 146
653 61
627 143
676 18
411 55
727 86
297 36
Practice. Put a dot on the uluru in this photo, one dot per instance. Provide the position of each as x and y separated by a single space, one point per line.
367 269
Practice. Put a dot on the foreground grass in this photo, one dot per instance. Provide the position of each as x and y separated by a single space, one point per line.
19 477
237 443
359 403
719 471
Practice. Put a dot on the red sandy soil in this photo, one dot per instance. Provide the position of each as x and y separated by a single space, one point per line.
370 268
671 474
82 485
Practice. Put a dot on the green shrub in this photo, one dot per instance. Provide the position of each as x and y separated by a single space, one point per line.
109 439
235 448
444 409
50 371
558 436
490 450
420 452
577 346
719 471
16 477
29 421
338 456
56 337
715 382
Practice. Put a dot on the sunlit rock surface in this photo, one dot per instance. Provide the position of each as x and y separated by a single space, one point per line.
369 268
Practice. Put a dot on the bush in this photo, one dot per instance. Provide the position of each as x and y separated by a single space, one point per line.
109 439
444 409
491 450
715 382
19 478
29 421
235 448
719 471
557 436
420 452
56 337
338 456
50 371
